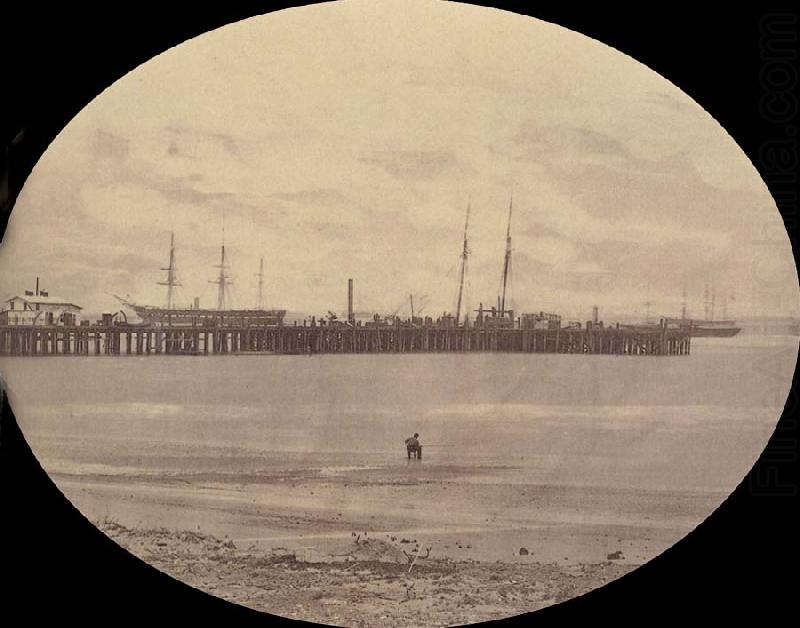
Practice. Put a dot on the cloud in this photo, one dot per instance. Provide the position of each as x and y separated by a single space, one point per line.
354 154
316 196
107 145
533 140
186 135
178 189
678 103
414 165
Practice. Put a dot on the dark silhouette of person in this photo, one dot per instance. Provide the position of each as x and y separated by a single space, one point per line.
413 446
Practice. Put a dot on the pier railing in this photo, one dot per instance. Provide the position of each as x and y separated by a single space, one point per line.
117 340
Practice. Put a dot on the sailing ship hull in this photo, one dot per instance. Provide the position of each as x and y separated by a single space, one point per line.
201 318
714 332
707 328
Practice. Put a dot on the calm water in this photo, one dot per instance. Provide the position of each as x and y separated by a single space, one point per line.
635 422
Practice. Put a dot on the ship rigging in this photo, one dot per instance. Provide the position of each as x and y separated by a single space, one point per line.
173 315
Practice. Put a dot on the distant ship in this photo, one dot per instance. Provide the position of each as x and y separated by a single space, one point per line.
696 328
718 329
190 316
708 327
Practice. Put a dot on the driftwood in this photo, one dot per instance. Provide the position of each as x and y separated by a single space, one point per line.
412 558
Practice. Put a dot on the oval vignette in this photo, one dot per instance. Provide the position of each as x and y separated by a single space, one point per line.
356 155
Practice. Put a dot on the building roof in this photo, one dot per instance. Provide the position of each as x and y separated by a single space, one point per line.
48 300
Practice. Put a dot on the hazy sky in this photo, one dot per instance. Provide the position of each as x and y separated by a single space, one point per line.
345 140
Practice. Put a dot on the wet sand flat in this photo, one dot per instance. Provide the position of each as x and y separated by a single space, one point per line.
483 514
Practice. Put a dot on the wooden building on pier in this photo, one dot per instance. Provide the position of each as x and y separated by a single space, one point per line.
39 309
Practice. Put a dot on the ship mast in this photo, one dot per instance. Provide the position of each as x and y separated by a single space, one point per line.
223 280
172 280
705 302
507 260
260 302
463 270
683 303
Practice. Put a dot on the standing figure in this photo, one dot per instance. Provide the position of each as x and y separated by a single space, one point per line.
413 446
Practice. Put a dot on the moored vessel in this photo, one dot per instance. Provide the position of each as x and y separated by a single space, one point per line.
195 316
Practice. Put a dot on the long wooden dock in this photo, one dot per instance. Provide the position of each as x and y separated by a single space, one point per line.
116 340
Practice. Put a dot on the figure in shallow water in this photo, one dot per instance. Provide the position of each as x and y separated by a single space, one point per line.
413 446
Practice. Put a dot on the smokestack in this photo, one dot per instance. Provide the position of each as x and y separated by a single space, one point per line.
350 315
37 286
197 303
595 315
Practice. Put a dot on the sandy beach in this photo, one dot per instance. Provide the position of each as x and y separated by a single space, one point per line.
373 584
302 544
367 581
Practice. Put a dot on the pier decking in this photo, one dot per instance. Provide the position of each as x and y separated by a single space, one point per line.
116 340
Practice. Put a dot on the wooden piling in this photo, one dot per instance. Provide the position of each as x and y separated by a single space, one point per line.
394 338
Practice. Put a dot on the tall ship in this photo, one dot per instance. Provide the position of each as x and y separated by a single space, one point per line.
713 328
501 316
708 326
173 315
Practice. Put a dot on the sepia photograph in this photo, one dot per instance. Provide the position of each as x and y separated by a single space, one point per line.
396 313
